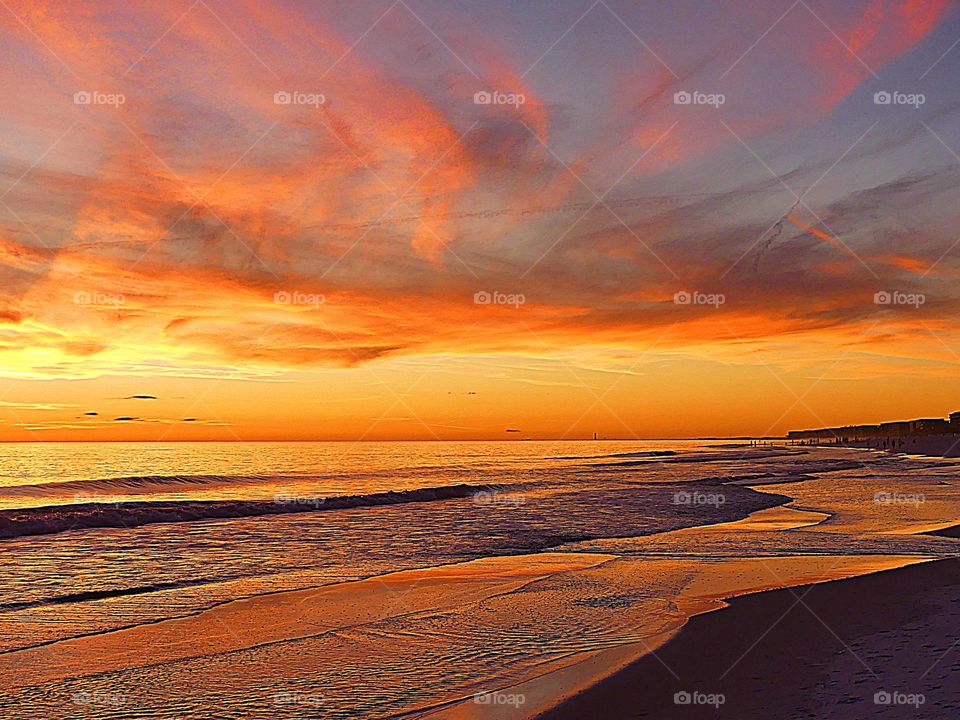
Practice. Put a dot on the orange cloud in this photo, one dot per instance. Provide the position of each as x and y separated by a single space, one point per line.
203 230
885 30
826 237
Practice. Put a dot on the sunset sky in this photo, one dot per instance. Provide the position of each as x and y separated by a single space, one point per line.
299 220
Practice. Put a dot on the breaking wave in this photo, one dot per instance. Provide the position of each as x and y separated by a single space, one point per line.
84 516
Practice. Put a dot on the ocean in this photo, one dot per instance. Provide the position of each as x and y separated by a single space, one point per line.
375 580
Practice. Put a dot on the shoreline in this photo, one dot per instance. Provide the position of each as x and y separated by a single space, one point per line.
565 680
576 689
628 691
839 641
932 446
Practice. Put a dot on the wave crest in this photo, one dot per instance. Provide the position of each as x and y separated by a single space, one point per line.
85 516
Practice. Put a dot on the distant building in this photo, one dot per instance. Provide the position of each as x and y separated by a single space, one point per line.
931 426
898 429
895 429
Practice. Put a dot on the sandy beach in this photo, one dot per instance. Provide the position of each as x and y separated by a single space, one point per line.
881 645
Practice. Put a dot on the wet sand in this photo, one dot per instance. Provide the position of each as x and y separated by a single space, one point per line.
708 587
947 446
284 616
817 651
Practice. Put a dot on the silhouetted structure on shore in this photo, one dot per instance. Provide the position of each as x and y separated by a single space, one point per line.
900 429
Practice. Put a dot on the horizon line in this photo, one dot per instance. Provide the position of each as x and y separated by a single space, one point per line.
424 440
